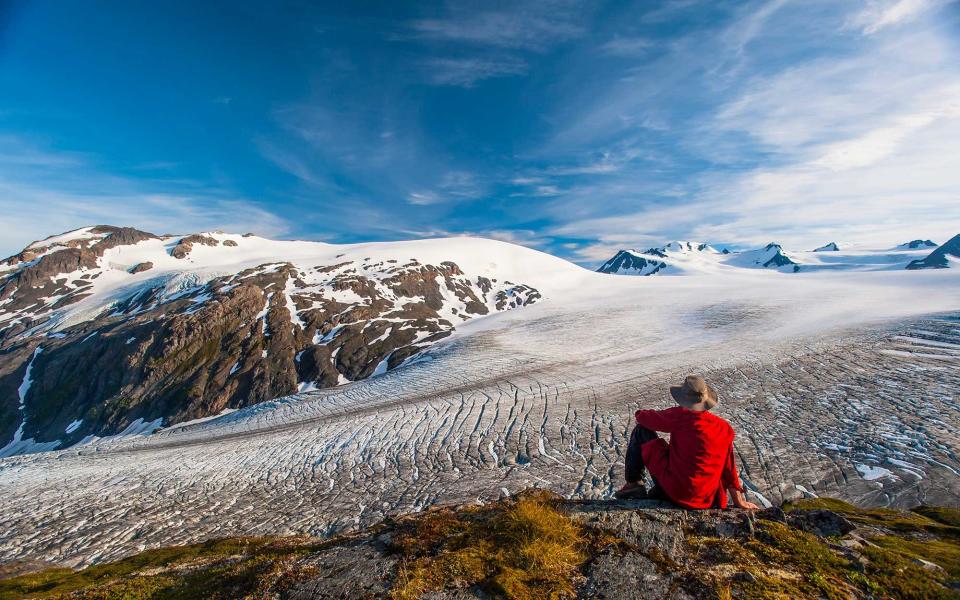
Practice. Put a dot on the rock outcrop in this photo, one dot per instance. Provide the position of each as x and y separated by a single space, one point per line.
185 245
538 546
831 247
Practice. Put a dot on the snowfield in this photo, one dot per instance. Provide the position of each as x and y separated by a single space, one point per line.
837 383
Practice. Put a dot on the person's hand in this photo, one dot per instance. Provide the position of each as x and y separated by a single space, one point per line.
740 502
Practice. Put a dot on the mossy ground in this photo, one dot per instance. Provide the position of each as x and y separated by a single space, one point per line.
525 549
229 568
783 562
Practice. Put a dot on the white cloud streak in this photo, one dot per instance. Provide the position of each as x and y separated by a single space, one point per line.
466 72
880 14
527 26
43 193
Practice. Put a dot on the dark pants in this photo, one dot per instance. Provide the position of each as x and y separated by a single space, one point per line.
633 463
633 467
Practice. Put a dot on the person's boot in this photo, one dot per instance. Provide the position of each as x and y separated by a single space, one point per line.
631 491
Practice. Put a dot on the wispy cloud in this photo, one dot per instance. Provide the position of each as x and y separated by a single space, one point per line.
451 187
526 26
880 14
468 43
628 46
854 133
44 192
466 72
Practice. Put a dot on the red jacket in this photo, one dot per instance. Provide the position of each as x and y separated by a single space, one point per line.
697 466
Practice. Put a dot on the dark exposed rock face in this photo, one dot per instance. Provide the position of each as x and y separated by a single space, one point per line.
938 259
779 259
177 348
831 247
917 244
141 267
625 261
185 245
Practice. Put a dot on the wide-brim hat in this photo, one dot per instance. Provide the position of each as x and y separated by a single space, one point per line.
694 394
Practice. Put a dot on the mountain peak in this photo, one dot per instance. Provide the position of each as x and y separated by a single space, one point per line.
917 244
831 247
939 258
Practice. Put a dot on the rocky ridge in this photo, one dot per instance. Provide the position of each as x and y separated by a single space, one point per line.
917 244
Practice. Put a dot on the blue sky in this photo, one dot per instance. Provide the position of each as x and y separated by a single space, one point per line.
576 127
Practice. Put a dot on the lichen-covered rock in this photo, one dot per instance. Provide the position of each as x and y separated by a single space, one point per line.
629 576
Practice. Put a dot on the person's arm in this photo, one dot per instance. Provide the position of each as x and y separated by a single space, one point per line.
731 481
657 420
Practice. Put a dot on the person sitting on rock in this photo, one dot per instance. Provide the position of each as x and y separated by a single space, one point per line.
696 468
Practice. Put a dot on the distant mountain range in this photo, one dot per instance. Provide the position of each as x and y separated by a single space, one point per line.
685 258
111 330
681 257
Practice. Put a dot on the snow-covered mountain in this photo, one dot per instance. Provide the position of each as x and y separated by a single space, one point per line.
675 258
770 256
946 255
108 330
917 245
686 258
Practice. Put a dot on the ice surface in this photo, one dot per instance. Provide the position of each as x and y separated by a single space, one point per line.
873 472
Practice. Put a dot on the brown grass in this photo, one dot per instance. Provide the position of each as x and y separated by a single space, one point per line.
522 550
